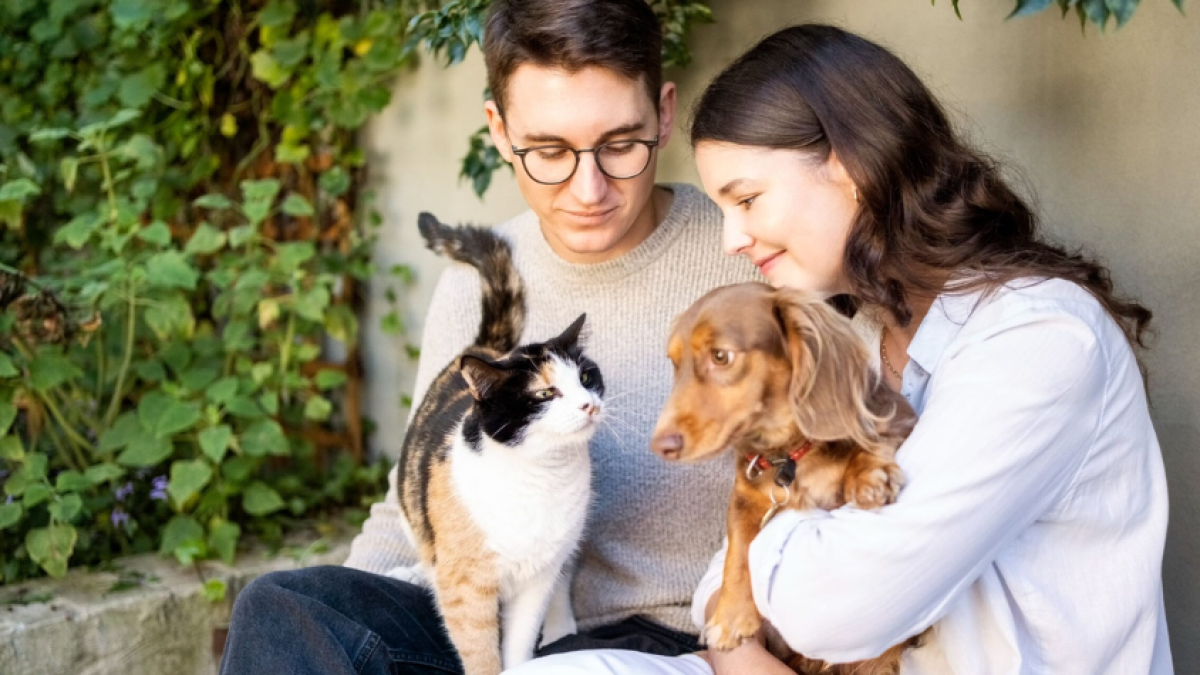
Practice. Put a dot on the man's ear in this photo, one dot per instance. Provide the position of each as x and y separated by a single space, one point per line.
483 377
497 130
667 102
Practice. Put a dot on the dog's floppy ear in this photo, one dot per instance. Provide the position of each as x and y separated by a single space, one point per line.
831 377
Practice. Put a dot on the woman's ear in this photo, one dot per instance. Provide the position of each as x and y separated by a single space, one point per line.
831 377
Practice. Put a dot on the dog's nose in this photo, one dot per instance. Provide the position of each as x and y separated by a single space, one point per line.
667 445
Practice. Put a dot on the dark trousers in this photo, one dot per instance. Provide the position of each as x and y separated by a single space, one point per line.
337 620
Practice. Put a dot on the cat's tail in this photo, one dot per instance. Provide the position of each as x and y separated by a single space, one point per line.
503 293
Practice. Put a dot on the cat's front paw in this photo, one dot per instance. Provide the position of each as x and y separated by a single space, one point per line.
731 625
412 574
874 485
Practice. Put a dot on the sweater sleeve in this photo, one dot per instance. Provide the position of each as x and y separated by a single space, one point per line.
450 327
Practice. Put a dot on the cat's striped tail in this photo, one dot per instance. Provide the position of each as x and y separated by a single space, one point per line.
503 293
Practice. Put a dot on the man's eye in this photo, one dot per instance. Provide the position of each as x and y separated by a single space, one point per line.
551 154
722 357
618 148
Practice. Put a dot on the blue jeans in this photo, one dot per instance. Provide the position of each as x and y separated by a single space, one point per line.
339 621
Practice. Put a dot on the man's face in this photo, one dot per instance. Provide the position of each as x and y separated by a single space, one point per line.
590 217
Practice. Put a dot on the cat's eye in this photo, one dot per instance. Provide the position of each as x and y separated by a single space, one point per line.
722 357
545 394
585 377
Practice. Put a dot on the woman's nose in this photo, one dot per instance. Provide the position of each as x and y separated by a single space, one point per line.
734 240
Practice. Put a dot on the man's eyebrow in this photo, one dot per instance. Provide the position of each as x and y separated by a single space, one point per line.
559 140
732 185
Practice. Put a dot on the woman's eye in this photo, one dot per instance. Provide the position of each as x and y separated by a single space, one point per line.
745 203
722 357
545 394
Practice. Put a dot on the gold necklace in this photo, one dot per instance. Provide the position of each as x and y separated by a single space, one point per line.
883 353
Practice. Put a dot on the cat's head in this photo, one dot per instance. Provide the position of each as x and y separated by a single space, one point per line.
546 392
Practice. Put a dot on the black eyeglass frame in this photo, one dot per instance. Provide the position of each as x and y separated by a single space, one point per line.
521 152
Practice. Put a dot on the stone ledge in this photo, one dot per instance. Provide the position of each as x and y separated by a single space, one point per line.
160 626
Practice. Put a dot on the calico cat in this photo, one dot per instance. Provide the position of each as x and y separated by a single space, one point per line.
494 476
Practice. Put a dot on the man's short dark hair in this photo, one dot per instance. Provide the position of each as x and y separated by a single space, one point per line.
620 35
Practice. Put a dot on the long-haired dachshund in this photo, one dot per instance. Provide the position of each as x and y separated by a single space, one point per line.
782 379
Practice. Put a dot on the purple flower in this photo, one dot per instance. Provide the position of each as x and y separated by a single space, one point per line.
119 517
9 500
124 491
3 473
159 490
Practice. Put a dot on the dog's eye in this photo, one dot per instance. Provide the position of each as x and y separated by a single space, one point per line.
722 357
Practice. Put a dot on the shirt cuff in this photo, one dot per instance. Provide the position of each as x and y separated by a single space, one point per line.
766 551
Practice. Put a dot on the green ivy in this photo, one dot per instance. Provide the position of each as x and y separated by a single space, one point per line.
1098 12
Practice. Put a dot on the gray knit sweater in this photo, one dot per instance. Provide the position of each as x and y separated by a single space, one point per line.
653 526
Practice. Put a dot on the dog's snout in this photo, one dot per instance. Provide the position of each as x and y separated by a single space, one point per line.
669 445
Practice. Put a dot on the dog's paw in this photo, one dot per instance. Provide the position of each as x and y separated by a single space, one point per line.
729 629
874 486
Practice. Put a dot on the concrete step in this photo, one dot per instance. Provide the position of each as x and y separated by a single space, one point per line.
162 625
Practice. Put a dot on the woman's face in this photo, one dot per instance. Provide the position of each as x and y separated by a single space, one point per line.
785 211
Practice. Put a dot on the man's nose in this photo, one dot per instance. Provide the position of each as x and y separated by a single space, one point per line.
589 185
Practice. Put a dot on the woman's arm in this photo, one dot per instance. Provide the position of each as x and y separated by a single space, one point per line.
1012 415
450 326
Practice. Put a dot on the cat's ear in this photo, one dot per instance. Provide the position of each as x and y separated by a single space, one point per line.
483 377
571 335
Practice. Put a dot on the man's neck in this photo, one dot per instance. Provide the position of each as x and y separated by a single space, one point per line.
651 216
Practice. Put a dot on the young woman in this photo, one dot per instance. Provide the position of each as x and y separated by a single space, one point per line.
1030 533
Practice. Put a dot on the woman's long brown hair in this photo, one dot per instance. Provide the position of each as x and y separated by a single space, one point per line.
931 207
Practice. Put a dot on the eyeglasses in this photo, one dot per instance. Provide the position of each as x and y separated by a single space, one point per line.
554 164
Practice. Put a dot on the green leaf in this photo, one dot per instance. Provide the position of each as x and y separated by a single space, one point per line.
156 233
318 408
101 473
36 494
163 415
65 510
213 201
11 449
214 441
121 433
130 13
7 369
266 69
145 450
237 469
9 514
269 400
48 135
222 390
264 437
259 499
188 478
214 590
198 377
50 369
51 547
180 529
137 89
335 181
1029 7
291 51
277 13
17 190
190 551
311 304
329 379
169 269
68 168
223 539
289 256
8 413
243 406
296 205
205 240
76 232
142 150
257 198
242 234
71 481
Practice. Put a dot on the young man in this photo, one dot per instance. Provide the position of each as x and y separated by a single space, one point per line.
580 109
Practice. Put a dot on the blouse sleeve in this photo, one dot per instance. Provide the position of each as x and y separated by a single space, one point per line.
1010 419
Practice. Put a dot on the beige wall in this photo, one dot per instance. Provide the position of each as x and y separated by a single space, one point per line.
1103 127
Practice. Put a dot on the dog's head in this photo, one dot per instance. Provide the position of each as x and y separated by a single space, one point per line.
758 367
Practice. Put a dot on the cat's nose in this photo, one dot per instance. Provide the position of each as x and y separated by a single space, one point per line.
587 407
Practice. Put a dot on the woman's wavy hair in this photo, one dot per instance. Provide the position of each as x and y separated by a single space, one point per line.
929 205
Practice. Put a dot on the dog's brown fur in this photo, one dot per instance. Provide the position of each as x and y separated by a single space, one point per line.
793 371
